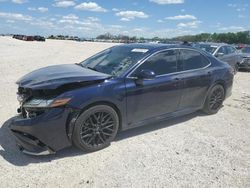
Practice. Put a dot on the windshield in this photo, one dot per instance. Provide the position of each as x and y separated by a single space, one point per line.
246 50
206 47
115 60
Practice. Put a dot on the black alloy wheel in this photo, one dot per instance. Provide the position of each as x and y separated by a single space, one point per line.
96 128
214 100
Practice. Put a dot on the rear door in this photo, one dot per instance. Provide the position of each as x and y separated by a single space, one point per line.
231 55
227 55
195 77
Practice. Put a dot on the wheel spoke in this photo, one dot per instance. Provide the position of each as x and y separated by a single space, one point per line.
91 138
91 121
108 126
106 120
96 118
104 136
85 131
104 117
105 133
101 139
101 116
86 136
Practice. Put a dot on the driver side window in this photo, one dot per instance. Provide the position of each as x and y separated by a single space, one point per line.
161 63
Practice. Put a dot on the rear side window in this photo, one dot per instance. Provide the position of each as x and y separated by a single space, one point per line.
246 50
161 63
191 60
231 50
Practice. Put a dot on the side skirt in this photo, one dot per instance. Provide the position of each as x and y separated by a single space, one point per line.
163 117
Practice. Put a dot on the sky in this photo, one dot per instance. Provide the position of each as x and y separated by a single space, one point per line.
141 18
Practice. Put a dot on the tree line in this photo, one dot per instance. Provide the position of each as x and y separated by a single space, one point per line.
108 36
230 38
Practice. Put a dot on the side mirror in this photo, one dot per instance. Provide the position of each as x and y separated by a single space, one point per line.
145 75
220 54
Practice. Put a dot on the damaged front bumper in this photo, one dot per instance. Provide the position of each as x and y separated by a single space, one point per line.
245 64
43 134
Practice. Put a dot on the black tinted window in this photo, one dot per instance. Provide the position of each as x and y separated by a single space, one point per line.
246 50
231 50
222 50
193 60
161 63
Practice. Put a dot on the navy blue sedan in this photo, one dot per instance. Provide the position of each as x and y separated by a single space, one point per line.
122 87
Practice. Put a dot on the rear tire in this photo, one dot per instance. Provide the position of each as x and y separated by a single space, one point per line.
214 100
95 128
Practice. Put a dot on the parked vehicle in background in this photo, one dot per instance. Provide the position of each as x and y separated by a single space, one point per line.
20 37
39 38
245 63
240 46
224 52
28 38
122 87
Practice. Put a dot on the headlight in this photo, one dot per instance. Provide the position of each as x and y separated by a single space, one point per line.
245 61
46 103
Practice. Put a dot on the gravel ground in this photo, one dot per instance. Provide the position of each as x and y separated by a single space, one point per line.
191 151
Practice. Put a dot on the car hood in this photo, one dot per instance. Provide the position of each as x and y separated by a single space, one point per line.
54 76
245 55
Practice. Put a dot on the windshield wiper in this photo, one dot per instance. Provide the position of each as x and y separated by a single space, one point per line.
92 68
79 64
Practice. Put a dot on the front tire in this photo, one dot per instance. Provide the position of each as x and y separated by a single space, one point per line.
214 100
95 128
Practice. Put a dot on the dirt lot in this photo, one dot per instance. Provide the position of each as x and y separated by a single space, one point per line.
192 151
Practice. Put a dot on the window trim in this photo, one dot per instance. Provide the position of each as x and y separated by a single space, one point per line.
177 49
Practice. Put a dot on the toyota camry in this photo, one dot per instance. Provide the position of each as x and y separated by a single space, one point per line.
88 103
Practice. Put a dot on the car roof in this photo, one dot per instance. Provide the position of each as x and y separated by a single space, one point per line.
214 44
154 47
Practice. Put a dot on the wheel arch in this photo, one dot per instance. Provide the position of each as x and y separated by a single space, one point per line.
217 82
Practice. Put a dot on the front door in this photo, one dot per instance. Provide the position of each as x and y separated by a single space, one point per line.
154 98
